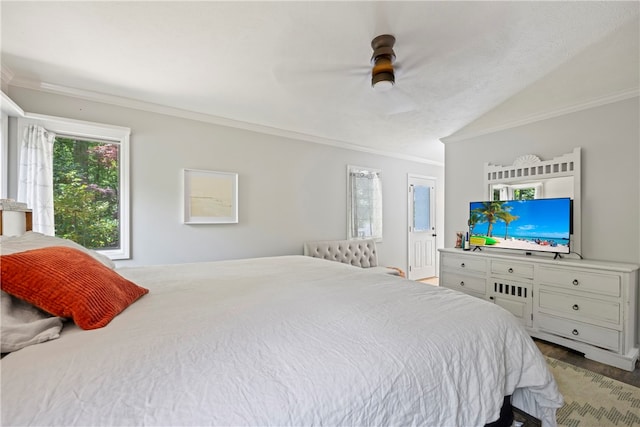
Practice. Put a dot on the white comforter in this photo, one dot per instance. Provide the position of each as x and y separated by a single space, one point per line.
282 341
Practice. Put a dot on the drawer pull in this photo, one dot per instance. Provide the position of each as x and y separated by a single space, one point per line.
462 265
575 307
461 283
510 270
575 332
575 282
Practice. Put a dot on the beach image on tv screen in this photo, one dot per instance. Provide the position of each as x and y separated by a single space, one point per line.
530 225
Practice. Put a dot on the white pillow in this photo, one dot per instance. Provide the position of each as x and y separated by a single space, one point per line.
32 240
23 324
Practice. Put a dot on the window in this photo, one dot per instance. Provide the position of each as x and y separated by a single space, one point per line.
524 193
528 191
86 186
91 183
364 203
421 204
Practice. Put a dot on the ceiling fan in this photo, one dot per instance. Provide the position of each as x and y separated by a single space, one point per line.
383 77
386 99
382 73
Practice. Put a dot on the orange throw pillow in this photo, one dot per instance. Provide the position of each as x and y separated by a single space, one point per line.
68 283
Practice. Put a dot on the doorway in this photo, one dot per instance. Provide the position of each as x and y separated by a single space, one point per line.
422 227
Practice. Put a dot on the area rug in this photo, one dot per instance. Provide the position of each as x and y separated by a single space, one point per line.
592 399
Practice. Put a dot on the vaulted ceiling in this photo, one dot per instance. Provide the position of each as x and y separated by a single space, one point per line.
304 67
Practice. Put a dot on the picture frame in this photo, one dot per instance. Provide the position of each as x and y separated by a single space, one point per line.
210 197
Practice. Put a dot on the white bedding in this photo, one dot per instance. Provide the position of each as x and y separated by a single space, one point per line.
282 341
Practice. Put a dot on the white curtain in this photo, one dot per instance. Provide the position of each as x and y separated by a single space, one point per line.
365 219
376 201
35 177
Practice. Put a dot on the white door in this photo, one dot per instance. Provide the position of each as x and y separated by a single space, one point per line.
422 227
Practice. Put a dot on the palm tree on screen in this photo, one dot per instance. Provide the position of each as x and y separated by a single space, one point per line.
489 211
507 218
474 218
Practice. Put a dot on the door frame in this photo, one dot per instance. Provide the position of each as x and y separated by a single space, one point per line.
409 217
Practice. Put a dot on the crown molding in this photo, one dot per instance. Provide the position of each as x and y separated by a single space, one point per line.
207 118
9 107
595 102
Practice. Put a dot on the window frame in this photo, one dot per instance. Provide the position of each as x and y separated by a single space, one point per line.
9 109
352 203
101 133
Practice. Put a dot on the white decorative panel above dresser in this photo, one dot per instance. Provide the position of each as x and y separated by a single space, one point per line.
589 306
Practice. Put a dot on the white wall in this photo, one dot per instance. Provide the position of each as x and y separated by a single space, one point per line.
289 190
610 139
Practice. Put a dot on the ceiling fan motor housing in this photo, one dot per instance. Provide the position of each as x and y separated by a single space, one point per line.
382 59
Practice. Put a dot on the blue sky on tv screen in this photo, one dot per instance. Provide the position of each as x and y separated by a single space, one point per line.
539 218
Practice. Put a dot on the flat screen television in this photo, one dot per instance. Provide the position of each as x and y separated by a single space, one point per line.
529 225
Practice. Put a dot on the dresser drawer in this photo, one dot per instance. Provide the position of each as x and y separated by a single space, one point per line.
461 282
604 284
596 335
465 263
579 307
520 309
521 270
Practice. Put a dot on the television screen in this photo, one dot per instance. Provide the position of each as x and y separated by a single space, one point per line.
529 225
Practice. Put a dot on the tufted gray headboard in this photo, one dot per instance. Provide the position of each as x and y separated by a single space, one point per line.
360 253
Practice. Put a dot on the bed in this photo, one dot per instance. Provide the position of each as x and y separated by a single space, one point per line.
289 340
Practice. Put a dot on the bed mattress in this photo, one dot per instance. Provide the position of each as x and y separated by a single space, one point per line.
280 341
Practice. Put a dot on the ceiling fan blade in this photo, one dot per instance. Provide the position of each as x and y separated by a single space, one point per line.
299 74
398 101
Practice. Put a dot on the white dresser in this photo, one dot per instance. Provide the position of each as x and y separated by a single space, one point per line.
589 306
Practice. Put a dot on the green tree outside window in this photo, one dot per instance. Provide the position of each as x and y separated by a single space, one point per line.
86 177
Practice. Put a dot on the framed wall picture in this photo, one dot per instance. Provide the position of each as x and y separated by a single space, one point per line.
210 197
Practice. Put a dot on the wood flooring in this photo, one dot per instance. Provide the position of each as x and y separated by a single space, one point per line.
577 359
